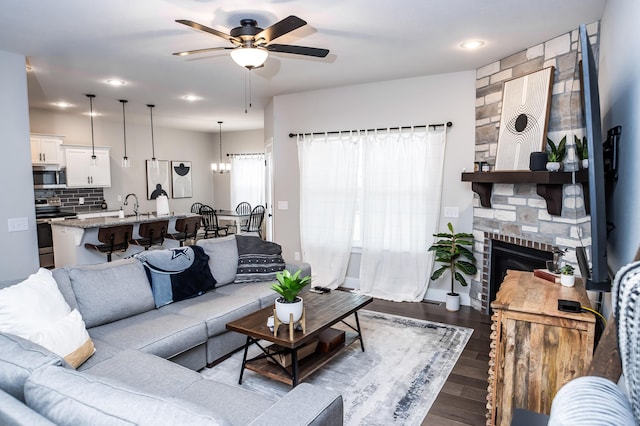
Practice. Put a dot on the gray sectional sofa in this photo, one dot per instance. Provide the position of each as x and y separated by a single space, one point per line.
129 378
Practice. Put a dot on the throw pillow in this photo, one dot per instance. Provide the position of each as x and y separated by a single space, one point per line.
258 260
68 338
31 304
36 310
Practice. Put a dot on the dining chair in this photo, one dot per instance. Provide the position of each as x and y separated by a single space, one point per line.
243 208
210 222
255 220
195 207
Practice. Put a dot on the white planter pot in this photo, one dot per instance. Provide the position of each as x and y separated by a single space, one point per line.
453 302
567 280
283 309
553 166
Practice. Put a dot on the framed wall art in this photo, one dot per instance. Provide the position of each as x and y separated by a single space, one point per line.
181 179
526 102
157 179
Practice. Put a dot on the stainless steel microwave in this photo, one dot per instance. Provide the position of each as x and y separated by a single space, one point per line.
49 176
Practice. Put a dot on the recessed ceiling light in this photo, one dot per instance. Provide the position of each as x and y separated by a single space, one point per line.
472 44
191 98
114 82
62 104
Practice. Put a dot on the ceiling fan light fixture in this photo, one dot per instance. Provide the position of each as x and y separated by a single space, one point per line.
249 57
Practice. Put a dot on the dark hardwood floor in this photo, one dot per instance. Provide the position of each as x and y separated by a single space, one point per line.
462 400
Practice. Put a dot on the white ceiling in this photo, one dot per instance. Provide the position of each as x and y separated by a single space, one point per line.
74 45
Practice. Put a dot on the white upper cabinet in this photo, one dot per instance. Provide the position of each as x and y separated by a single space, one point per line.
46 149
80 172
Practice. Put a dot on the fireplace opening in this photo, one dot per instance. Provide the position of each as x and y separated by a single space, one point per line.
506 256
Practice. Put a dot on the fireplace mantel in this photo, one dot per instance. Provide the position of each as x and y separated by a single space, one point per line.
549 185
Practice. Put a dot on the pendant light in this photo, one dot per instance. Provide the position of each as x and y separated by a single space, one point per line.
154 162
221 167
94 159
125 159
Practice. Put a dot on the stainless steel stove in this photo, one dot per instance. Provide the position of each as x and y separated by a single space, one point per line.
46 209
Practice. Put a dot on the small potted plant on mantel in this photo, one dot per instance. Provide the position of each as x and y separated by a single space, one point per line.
556 154
581 150
450 251
288 287
567 278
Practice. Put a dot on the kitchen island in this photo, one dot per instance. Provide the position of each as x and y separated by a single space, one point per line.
70 236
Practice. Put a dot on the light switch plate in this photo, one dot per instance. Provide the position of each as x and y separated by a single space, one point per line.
283 205
16 224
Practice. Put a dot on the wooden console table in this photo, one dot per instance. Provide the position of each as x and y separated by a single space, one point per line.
548 185
535 348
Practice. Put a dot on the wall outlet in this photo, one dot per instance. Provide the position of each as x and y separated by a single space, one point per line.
16 224
296 255
119 197
81 200
283 205
451 212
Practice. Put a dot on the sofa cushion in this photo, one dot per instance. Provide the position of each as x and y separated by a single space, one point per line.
223 258
111 291
28 306
260 291
68 397
61 275
15 413
156 332
214 310
258 260
18 359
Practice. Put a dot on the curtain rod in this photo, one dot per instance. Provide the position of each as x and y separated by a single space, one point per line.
245 153
448 124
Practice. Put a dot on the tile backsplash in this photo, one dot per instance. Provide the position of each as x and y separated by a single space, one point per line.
70 198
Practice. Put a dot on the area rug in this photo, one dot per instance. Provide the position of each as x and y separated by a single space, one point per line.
394 382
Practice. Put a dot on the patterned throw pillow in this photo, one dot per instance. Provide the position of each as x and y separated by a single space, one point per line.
258 260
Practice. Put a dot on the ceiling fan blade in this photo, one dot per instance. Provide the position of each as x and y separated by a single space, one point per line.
281 28
298 50
205 29
210 49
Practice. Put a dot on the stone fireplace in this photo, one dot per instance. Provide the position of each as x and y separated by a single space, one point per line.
517 215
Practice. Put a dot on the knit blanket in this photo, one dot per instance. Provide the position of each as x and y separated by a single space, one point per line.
177 274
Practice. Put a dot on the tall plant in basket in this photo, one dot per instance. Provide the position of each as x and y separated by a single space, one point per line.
452 253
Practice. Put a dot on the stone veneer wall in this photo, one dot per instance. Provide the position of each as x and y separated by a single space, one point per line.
517 213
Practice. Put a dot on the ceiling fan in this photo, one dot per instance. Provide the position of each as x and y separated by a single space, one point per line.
252 44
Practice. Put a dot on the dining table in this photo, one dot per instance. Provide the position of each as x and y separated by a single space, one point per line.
233 216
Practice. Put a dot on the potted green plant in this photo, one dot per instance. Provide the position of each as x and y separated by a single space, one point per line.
288 287
450 250
556 154
581 151
567 278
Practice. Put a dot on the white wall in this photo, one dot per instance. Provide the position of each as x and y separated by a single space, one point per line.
619 85
423 100
19 250
170 144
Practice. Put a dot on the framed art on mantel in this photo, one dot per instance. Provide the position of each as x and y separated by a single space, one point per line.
526 102
181 179
157 179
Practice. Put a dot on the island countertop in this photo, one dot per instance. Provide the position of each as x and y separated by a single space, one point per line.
97 222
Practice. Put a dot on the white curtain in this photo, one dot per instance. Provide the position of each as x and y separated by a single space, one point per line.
402 182
328 184
247 179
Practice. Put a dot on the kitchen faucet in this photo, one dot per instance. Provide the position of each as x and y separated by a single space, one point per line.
135 203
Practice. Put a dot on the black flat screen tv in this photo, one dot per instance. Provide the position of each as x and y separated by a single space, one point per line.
597 277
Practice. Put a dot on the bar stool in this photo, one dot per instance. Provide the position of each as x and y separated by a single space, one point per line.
187 228
114 238
151 233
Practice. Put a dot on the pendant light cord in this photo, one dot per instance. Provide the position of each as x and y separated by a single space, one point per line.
93 147
124 128
153 147
220 146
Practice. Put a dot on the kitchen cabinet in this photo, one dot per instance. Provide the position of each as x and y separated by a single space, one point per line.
80 172
535 348
46 149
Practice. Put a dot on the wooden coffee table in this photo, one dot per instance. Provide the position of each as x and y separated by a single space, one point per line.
321 311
